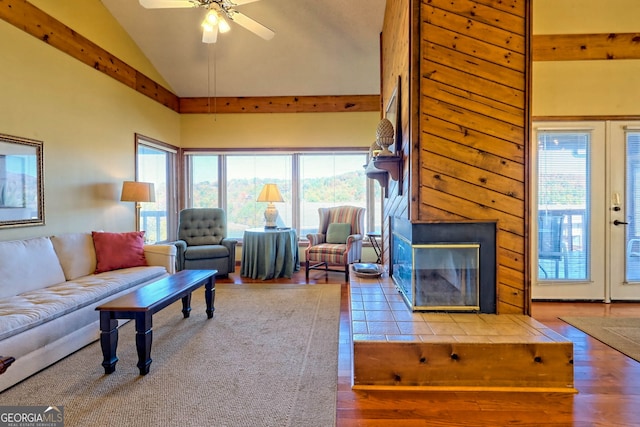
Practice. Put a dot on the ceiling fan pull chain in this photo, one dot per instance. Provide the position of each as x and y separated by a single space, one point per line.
209 78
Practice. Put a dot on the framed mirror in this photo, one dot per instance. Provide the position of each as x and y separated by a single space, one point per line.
21 182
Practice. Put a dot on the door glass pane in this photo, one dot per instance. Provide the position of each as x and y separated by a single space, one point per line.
153 166
563 206
632 204
246 175
330 180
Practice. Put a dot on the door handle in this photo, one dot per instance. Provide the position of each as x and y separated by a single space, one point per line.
616 222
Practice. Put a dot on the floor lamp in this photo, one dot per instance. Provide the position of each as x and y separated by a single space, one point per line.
139 192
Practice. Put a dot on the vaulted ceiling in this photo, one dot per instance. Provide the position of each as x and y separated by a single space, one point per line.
321 47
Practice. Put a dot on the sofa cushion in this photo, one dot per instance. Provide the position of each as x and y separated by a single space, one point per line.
21 312
76 253
118 250
28 265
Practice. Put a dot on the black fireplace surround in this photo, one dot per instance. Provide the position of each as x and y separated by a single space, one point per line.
425 234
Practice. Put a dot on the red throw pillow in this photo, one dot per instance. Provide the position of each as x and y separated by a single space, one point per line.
118 250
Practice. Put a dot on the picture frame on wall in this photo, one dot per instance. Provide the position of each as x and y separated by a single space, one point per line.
21 182
392 113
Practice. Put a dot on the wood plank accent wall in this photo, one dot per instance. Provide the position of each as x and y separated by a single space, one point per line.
470 114
473 121
395 47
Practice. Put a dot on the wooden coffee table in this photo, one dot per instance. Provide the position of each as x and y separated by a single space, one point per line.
142 303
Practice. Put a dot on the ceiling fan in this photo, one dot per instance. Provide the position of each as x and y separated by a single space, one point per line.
214 21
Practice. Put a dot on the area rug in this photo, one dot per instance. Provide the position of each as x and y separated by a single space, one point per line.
620 333
269 357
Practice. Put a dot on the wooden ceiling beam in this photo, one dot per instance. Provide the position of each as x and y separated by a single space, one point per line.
584 47
281 104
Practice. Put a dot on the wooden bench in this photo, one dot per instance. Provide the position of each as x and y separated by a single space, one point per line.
142 303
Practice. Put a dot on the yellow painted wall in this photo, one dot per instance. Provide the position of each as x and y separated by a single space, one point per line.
585 16
586 88
279 130
87 122
91 19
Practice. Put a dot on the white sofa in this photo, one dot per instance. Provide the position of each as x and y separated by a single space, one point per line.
48 294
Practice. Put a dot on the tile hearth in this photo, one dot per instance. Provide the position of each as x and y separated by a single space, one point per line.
394 347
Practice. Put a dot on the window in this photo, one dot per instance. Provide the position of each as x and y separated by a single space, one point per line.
155 162
203 181
632 191
563 205
246 175
307 181
330 180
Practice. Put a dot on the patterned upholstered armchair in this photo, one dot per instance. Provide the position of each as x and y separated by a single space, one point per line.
338 241
203 243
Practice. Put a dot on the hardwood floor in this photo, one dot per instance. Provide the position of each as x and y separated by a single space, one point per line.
608 382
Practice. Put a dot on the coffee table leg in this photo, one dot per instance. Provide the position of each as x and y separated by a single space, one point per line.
144 337
108 341
186 305
210 295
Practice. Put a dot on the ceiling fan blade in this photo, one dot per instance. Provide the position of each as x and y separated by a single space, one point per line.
253 26
241 2
165 4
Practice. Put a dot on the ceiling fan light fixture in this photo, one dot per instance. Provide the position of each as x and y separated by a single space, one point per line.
207 27
214 21
223 25
211 17
209 32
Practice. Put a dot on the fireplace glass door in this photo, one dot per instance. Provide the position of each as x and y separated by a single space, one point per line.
446 276
439 277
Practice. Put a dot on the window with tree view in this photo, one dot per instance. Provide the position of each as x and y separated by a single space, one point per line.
156 164
307 181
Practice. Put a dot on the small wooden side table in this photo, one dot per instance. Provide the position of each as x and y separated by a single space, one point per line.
373 239
5 362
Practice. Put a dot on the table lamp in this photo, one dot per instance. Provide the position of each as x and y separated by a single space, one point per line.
134 191
270 193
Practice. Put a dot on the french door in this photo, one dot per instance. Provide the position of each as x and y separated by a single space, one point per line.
625 211
568 215
586 211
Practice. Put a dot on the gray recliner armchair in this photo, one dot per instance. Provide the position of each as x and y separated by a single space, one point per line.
202 241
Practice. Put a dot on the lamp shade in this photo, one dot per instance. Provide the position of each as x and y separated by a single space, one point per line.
270 193
134 191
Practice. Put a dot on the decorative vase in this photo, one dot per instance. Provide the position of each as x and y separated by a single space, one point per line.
385 137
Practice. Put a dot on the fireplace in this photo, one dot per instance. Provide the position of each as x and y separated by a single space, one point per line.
445 266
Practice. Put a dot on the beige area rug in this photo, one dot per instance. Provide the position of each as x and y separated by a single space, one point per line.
620 333
269 357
